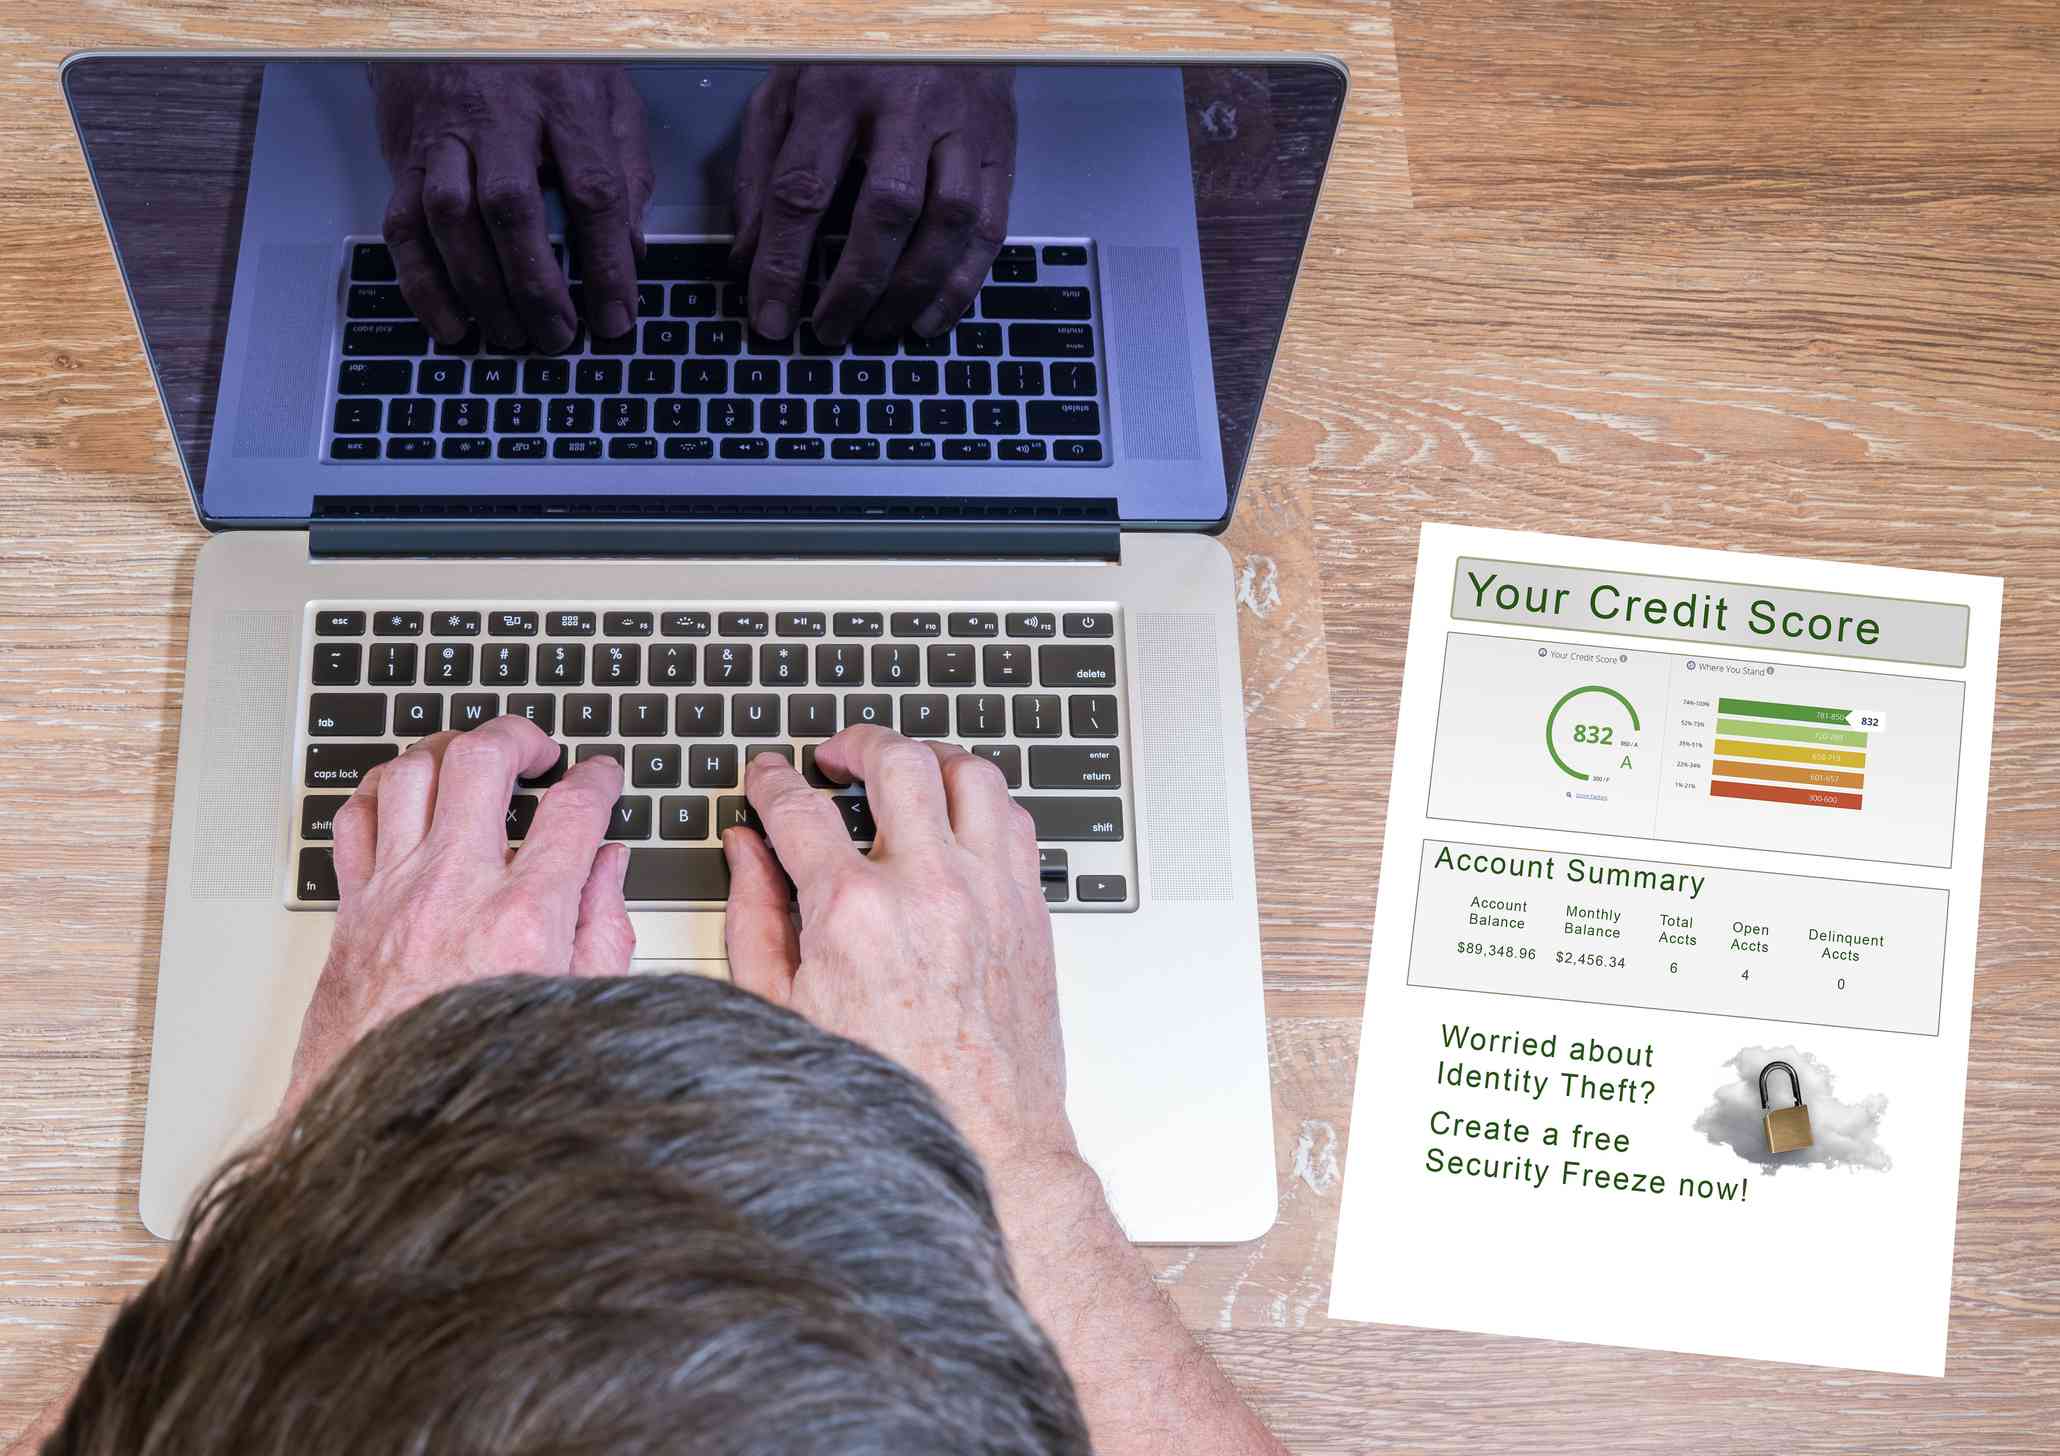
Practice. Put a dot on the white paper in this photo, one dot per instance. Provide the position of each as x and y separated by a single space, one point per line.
1751 832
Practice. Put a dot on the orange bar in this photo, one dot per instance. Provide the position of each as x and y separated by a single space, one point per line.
1788 773
1782 794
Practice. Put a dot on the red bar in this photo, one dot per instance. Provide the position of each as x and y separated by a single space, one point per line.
1782 794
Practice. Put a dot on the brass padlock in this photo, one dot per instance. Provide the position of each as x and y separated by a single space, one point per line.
1788 1128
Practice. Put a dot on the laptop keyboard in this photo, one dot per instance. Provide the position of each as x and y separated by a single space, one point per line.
1021 380
685 697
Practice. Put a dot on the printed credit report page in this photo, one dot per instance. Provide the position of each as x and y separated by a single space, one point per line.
1666 1025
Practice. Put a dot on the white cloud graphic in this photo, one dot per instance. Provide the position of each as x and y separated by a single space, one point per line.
1843 1135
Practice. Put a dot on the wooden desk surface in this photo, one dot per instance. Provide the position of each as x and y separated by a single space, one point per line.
1740 274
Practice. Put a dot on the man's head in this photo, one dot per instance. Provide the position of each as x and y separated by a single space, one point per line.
625 1215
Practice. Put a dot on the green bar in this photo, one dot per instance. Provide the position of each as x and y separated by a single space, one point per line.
1795 711
1793 732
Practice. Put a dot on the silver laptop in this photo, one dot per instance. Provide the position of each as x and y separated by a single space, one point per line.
474 433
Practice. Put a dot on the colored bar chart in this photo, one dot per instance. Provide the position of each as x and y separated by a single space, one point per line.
1788 753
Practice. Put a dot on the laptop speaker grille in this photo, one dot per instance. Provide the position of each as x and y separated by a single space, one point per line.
246 722
1186 815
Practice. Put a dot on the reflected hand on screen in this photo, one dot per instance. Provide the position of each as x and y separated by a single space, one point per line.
939 148
471 147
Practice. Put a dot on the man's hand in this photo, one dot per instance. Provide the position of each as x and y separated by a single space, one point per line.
939 146
431 897
935 950
468 144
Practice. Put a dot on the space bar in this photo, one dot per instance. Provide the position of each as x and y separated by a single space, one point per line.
677 874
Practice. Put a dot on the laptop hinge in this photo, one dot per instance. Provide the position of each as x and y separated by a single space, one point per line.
985 539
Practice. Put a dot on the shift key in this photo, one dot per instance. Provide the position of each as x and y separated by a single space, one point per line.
1065 819
346 715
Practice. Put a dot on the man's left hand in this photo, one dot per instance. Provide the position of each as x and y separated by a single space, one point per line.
431 897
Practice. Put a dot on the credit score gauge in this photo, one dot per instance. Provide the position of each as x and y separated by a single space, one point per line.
1592 733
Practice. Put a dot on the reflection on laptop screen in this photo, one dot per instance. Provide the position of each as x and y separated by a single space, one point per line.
398 285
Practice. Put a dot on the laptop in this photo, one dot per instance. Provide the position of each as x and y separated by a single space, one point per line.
475 433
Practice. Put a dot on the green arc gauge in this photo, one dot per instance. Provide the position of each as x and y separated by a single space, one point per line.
1603 734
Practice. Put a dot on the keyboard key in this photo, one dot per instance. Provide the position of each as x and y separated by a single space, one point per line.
671 875
720 336
643 715
570 624
376 301
974 624
600 376
562 665
1037 715
696 714
854 449
1020 377
664 261
382 376
783 417
758 376
726 665
1015 253
354 447
689 447
622 343
862 376
397 624
923 715
676 417
1075 766
1069 666
1077 379
617 664
1051 864
783 665
1005 756
465 416
464 348
546 376
352 624
393 665
344 765
895 664
755 715
969 376
417 715
857 811
712 765
539 708
979 341
1091 715
841 664
628 624
449 664
439 376
476 447
469 710
1051 341
589 751
1004 665
809 376
730 416
346 715
337 664
889 416
1014 270
315 877
1090 624
550 775
1065 255
631 818
911 376
650 376
942 416
857 624
744 624
756 750
385 338
911 449
1076 450
505 664
655 766
1075 819
694 300
356 417
801 624
981 715
733 811
836 417
1063 417
683 816
571 416
951 664
684 624
868 708
917 624
318 815
520 447
511 624
936 348
521 814
493 376
811 715
1034 303
668 337
704 376
758 343
588 715
968 450
410 448
624 416
669 664
1102 889
1020 450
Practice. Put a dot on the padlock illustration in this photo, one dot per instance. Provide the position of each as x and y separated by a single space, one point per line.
1788 1128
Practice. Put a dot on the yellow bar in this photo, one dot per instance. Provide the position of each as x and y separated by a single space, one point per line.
1791 753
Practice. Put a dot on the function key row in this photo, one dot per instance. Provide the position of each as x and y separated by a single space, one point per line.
504 623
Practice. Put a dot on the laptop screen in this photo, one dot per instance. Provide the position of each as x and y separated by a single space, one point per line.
689 286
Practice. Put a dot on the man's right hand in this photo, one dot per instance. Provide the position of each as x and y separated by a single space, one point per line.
935 950
468 144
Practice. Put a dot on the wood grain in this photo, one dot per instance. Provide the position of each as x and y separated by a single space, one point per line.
1746 275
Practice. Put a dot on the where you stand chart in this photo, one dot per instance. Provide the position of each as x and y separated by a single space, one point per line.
1679 841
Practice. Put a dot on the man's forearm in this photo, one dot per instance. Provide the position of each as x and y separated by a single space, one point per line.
1143 1382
